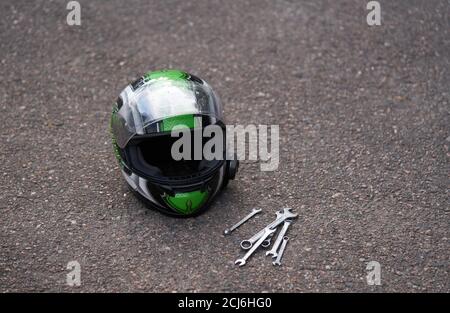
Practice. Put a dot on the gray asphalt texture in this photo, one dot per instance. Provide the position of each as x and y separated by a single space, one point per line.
364 148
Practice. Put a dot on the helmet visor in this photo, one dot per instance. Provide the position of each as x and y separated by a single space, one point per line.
161 99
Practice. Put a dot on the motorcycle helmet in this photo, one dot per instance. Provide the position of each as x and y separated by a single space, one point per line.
142 121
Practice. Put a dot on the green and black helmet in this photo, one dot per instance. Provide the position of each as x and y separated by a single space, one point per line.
142 121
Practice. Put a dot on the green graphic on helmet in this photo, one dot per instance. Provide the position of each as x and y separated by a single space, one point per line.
142 119
114 142
187 202
185 120
167 74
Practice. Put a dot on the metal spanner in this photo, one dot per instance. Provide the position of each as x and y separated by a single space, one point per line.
266 243
280 237
281 251
242 221
266 233
281 217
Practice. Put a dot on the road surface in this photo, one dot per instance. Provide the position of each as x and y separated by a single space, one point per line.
364 144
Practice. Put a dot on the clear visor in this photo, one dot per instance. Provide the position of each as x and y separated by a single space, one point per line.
161 99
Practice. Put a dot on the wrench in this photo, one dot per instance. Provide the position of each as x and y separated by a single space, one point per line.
242 221
280 237
281 217
266 233
266 243
247 245
281 251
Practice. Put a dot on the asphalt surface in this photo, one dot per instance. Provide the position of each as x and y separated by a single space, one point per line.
364 152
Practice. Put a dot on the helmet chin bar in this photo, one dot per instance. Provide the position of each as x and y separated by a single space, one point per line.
172 204
173 190
187 202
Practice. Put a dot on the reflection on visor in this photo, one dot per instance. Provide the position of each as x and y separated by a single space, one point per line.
163 99
158 100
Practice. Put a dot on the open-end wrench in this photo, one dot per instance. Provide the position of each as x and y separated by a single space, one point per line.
280 237
266 243
266 233
242 221
281 217
281 251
